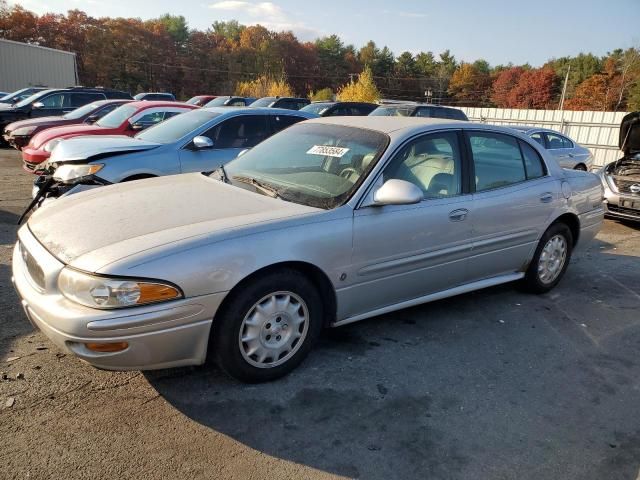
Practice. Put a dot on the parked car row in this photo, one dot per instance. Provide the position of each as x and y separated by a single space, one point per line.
317 222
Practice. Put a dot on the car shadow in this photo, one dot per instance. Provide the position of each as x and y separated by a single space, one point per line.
440 390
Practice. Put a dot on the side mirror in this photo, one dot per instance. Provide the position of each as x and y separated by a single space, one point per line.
201 142
92 119
397 192
37 105
136 126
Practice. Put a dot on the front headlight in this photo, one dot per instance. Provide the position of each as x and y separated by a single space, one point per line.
105 293
51 144
23 131
68 172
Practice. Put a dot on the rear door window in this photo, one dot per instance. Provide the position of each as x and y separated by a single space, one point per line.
56 100
557 141
280 122
80 99
534 165
244 131
497 160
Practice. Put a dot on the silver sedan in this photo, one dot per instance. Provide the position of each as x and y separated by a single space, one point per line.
568 153
329 222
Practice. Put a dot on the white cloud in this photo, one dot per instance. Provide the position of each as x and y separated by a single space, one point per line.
412 14
267 14
260 9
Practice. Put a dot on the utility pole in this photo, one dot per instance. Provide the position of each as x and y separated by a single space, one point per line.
564 89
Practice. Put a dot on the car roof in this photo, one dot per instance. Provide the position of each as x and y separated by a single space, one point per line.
259 110
528 129
157 103
387 124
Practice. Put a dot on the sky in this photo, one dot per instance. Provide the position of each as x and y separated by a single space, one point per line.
499 31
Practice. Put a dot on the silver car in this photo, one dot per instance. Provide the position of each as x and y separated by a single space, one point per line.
331 221
621 179
568 153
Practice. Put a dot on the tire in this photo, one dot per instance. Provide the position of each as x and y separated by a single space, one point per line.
267 310
541 278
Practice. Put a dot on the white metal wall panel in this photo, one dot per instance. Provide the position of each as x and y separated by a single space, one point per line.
23 65
597 131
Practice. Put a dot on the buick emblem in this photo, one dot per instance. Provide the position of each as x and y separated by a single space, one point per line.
635 188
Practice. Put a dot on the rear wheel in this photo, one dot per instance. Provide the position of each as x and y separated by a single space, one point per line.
550 260
268 326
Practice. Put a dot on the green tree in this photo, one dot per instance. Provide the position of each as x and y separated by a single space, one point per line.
177 27
426 64
406 65
230 30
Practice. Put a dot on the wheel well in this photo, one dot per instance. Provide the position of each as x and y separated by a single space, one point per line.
571 221
139 176
317 276
577 167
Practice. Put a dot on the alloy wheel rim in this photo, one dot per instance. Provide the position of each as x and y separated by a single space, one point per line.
552 259
273 329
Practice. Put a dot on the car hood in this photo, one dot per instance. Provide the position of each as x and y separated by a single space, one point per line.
86 148
39 122
629 139
56 132
97 227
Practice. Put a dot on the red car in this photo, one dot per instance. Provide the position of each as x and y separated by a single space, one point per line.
18 134
127 119
201 100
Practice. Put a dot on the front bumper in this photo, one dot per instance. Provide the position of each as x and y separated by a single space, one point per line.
165 335
16 142
617 205
32 157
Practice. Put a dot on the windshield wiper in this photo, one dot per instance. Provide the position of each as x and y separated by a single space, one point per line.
222 173
258 185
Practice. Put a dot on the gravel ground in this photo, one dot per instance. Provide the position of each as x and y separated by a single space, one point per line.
495 384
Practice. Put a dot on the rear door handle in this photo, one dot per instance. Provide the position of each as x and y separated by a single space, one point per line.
458 215
546 197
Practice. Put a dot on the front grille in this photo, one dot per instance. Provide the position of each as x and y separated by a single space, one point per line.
625 211
35 271
624 186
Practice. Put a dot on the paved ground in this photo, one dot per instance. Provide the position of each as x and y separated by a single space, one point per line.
492 385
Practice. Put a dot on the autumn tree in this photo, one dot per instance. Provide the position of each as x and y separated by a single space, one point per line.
362 90
264 86
502 86
323 94
469 84
535 89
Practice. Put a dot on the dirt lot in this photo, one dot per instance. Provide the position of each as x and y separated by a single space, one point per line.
491 385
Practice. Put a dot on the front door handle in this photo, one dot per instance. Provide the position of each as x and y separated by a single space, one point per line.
458 215
546 197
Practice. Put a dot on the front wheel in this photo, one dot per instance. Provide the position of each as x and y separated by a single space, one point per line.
268 326
550 260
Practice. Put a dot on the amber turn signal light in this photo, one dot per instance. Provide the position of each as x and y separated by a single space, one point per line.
155 292
107 347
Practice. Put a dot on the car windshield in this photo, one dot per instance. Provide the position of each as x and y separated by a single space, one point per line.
392 112
139 96
217 102
15 94
264 102
176 127
81 112
115 118
314 164
318 108
29 100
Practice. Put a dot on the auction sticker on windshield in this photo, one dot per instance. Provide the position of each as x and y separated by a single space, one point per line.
328 151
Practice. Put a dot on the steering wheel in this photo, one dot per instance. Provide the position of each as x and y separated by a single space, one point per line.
346 173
